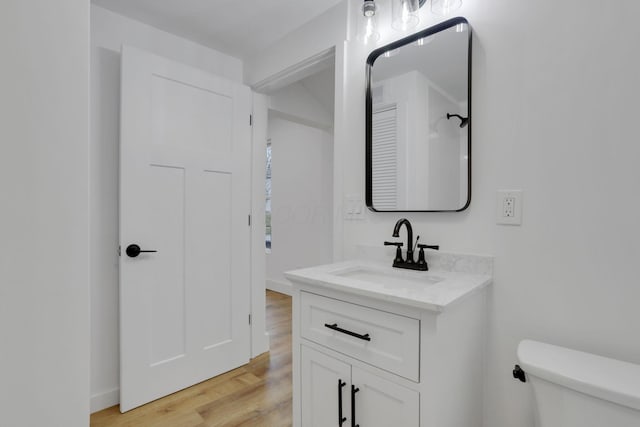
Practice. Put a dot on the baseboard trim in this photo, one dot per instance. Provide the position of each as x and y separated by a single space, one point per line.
278 286
105 400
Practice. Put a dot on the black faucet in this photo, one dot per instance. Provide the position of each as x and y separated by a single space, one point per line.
396 233
409 262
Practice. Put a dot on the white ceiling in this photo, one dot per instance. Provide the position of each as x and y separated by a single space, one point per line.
236 27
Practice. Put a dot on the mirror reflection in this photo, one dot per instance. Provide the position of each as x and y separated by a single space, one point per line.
419 121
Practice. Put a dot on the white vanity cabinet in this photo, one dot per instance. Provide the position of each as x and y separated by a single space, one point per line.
360 360
332 390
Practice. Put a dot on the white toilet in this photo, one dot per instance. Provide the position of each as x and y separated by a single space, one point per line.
576 389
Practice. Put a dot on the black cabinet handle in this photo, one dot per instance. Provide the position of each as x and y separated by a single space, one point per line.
134 250
341 419
354 390
335 327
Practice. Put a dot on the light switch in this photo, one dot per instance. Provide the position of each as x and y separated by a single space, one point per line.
354 207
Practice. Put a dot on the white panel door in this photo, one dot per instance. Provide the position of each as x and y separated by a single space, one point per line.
325 389
381 403
185 193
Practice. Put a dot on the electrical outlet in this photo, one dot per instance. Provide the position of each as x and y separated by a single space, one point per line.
509 207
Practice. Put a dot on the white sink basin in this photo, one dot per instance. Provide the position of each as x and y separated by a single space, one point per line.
391 277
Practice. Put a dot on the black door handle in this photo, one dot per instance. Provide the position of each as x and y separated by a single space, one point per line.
354 390
341 419
134 250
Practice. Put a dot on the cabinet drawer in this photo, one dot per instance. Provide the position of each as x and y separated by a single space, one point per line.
385 340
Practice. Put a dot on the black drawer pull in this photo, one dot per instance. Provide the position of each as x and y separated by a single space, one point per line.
335 327
354 390
341 419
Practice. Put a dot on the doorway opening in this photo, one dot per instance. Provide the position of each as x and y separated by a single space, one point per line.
299 170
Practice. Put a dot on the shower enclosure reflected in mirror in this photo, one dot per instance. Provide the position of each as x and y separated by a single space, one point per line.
418 121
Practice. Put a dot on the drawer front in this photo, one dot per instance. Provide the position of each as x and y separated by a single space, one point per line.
385 340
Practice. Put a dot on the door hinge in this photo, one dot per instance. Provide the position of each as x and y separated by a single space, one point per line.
250 119
249 319
249 220
119 250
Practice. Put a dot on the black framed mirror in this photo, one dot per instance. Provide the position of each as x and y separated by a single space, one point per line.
418 121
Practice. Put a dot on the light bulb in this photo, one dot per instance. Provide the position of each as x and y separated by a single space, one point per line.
370 32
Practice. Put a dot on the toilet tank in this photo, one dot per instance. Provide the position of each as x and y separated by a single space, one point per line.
577 389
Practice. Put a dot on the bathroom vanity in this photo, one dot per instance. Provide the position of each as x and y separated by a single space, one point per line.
376 346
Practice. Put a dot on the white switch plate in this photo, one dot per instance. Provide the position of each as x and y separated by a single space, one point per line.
353 207
509 207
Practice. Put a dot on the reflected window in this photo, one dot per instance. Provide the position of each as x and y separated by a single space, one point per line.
267 239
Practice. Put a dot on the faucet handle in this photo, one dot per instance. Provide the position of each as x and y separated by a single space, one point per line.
398 245
421 259
436 247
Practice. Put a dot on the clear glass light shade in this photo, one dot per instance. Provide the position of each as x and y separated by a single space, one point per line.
404 14
368 31
445 7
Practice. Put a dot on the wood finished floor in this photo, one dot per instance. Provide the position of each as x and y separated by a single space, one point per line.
258 394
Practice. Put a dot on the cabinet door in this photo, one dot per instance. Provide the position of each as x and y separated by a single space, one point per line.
324 390
381 403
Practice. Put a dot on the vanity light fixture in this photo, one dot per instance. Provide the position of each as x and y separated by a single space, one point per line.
404 15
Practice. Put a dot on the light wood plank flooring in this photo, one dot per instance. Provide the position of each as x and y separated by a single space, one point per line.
258 394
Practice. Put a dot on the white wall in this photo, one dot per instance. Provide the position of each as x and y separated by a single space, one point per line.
301 200
109 32
297 104
44 286
555 95
317 36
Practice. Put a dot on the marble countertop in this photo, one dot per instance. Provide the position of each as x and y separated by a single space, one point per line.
434 290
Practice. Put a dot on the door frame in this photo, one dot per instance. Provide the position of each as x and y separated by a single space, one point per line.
259 119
